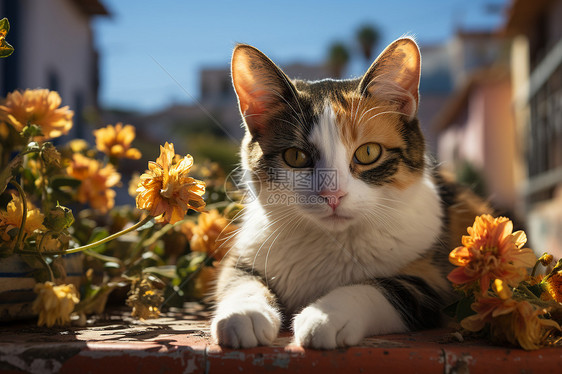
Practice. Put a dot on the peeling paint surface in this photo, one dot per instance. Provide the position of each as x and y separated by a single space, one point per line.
180 342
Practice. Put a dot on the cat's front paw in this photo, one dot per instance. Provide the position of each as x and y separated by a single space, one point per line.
246 327
317 327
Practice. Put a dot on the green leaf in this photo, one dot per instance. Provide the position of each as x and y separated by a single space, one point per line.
31 131
464 308
4 27
166 271
98 233
147 225
58 182
111 265
7 173
5 48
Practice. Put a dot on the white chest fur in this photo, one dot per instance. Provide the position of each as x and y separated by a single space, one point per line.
302 261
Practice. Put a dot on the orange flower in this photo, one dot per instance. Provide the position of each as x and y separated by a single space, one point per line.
39 107
166 190
97 181
205 281
518 322
489 307
528 328
11 218
115 141
554 286
491 251
212 234
54 303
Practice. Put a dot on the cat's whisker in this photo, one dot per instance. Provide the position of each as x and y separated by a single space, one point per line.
274 118
363 113
385 112
269 236
385 247
295 96
299 120
295 223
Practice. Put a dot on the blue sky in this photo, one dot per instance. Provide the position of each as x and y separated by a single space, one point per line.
184 36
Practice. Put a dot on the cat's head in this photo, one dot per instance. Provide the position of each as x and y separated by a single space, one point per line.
334 152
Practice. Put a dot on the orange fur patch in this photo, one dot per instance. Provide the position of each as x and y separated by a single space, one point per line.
362 120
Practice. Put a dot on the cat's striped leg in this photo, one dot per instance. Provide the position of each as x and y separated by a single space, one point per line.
247 314
348 314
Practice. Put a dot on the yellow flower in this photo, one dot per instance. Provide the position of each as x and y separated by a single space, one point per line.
11 218
166 190
39 107
517 322
205 281
489 307
211 234
54 303
144 299
115 141
133 184
97 181
529 330
491 251
78 145
554 286
546 259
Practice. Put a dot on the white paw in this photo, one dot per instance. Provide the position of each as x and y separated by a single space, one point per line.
327 328
246 326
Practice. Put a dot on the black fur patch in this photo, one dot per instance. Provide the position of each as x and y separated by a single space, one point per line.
418 304
384 172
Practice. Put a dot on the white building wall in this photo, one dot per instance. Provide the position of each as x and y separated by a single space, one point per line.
56 39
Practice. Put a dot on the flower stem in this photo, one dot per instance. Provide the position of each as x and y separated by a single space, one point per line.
44 262
24 214
110 237
98 243
527 291
99 256
535 268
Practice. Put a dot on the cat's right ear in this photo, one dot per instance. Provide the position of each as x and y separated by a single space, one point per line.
261 87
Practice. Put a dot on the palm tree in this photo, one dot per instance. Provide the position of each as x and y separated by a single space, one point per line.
367 36
338 57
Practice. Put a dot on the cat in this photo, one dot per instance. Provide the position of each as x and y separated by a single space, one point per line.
350 233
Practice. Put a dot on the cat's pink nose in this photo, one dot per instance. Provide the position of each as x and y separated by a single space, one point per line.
333 198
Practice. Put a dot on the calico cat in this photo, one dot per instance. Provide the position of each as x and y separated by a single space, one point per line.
350 233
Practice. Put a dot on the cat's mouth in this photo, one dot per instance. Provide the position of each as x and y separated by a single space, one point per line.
334 217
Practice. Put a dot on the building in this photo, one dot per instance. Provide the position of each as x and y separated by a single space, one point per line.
446 69
477 137
54 48
216 111
537 99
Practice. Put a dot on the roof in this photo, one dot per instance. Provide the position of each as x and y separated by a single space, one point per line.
523 14
459 100
92 7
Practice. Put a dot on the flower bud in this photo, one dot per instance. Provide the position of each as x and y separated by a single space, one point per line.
59 218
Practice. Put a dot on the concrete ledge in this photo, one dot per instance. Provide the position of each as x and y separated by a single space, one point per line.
179 342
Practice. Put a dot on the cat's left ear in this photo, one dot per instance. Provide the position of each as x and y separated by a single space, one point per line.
395 76
262 88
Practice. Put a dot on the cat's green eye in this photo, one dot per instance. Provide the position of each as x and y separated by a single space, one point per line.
367 153
297 158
